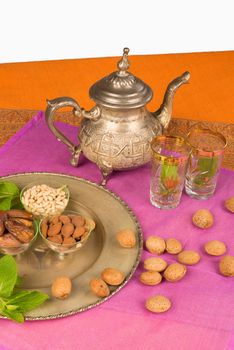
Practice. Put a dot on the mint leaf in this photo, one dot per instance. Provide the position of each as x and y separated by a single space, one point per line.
9 189
8 192
27 300
8 275
14 315
5 203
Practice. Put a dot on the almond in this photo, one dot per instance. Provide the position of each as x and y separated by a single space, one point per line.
112 276
67 230
189 257
78 232
175 272
64 219
150 278
61 287
215 248
158 304
78 220
226 266
173 246
229 204
203 218
126 238
155 244
56 239
155 264
54 229
69 241
99 287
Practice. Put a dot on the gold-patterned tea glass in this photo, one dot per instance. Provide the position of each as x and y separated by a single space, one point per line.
168 168
207 148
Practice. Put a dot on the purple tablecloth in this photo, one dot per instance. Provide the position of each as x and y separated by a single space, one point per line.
202 315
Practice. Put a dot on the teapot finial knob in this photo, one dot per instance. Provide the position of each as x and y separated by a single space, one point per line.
124 64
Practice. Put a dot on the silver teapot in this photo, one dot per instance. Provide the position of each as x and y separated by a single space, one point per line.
116 133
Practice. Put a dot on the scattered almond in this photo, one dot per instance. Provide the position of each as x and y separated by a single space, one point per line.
226 266
215 248
126 238
188 257
155 245
61 287
175 272
158 304
155 264
229 204
203 218
173 246
112 276
151 278
99 287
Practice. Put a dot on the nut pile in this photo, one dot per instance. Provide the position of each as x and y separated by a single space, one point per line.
109 277
45 200
66 230
16 228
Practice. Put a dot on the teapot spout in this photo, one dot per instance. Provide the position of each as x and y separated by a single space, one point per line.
163 114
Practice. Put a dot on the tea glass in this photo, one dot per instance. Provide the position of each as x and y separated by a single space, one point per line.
207 148
168 168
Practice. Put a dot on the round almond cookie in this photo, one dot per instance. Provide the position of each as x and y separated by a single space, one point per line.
126 238
203 218
226 266
173 246
188 257
175 272
112 276
155 264
151 278
158 304
229 204
215 248
155 245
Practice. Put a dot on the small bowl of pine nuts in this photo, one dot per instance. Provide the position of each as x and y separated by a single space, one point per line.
45 199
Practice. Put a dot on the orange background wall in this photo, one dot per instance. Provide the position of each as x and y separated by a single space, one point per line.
209 96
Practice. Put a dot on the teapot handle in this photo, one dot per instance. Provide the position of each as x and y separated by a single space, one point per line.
52 106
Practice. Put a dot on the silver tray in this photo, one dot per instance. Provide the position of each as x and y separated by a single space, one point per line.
39 266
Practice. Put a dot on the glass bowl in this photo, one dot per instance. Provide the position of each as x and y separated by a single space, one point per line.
45 198
20 247
63 248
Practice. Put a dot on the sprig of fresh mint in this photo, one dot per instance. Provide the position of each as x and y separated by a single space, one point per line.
169 178
9 196
14 303
207 168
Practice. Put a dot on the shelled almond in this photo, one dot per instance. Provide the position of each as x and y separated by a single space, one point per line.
64 229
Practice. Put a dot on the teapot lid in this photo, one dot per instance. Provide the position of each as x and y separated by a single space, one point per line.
121 89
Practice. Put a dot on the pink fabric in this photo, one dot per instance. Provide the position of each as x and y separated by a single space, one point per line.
202 315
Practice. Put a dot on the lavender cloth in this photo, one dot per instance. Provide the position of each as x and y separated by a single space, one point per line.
203 300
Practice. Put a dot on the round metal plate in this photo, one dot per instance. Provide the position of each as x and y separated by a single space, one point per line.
39 266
